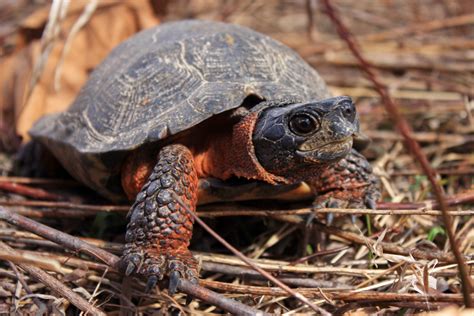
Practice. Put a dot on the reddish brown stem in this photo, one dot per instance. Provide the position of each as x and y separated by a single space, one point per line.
89 209
347 296
412 145
29 192
112 260
58 237
211 297
242 257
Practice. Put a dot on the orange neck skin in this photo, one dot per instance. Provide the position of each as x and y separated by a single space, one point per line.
232 154
221 154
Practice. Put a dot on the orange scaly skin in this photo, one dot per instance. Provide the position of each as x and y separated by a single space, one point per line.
159 228
220 155
347 183
136 170
232 154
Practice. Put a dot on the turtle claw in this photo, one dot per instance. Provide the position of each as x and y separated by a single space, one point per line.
154 266
151 283
370 202
327 202
175 276
130 268
189 300
311 217
178 269
329 218
353 218
131 263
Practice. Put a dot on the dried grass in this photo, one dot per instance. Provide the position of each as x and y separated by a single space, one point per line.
399 263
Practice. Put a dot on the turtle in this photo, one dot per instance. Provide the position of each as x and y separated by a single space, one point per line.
193 99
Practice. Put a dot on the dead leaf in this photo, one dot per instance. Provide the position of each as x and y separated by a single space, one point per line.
112 22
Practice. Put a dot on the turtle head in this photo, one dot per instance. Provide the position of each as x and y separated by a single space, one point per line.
289 138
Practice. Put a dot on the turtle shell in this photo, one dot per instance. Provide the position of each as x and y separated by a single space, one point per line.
163 81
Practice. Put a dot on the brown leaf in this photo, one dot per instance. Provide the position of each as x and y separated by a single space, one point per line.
112 22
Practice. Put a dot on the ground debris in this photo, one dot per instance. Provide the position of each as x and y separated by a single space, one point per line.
394 260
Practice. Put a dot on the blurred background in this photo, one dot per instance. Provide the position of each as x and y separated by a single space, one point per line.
423 51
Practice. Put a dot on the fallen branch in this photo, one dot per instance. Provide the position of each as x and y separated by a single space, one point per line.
222 211
347 296
112 260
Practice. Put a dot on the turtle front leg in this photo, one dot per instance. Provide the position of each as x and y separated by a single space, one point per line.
348 184
159 228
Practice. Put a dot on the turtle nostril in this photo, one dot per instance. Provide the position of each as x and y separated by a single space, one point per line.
348 110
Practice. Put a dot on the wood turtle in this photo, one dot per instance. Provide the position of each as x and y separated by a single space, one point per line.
194 99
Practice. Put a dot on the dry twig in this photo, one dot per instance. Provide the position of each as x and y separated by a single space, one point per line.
55 285
412 145
111 260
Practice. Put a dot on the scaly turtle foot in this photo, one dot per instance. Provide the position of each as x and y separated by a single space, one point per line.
160 228
154 266
348 184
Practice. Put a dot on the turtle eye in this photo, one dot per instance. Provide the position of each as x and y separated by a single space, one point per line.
303 124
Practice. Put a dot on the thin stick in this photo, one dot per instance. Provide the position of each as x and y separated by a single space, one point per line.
56 286
41 181
242 257
24 190
248 273
69 205
217 211
346 296
58 237
457 199
411 144
387 247
42 308
452 139
112 261
383 208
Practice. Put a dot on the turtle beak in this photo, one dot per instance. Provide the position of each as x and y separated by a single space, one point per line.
328 152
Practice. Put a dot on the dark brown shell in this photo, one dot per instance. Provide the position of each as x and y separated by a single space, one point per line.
165 80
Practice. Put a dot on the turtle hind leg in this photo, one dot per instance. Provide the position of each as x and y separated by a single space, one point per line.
160 228
36 161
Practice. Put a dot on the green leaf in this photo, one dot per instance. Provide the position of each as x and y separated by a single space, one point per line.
309 249
435 231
